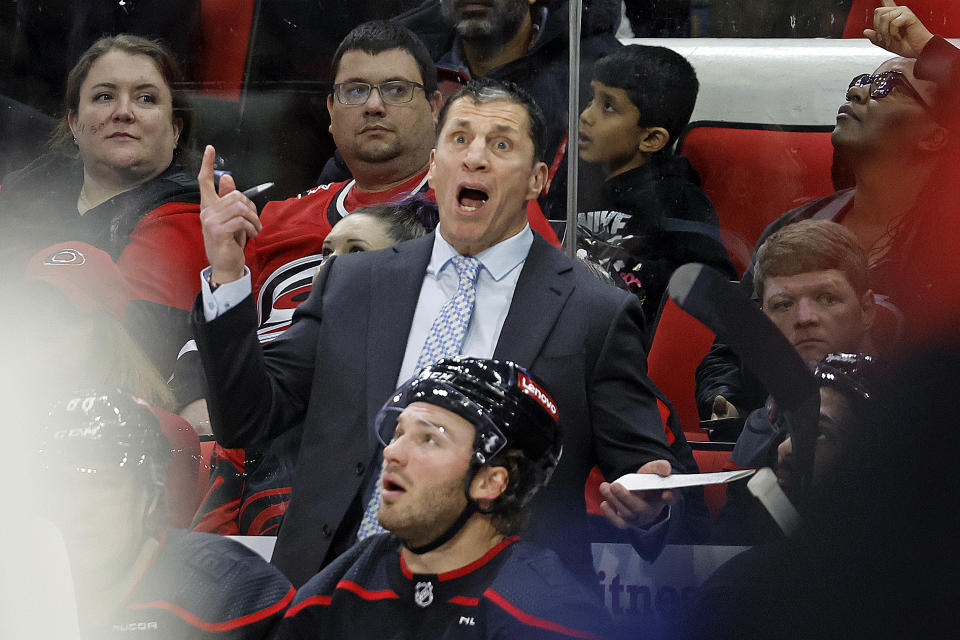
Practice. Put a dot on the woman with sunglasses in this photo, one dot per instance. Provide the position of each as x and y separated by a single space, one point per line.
897 134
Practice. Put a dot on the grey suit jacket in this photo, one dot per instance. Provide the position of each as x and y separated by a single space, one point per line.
337 364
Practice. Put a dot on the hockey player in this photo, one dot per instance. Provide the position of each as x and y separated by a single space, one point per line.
468 442
103 459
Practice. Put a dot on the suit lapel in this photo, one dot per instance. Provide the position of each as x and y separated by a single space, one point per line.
395 289
543 288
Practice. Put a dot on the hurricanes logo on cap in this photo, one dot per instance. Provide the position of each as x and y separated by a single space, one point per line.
65 256
538 394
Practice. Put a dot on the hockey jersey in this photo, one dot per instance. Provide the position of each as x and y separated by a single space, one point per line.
202 586
516 590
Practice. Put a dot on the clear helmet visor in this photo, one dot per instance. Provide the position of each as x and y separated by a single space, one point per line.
488 441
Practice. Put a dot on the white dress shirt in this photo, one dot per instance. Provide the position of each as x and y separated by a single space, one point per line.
496 282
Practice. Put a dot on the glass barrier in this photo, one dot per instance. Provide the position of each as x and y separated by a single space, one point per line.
696 124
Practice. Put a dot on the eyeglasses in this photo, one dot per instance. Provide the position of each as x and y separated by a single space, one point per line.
881 84
391 91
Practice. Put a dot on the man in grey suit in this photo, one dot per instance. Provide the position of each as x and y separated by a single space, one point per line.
361 332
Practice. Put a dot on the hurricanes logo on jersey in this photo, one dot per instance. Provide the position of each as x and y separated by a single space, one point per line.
282 293
423 595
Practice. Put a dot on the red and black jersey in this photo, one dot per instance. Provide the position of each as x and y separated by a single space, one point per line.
516 590
284 256
202 586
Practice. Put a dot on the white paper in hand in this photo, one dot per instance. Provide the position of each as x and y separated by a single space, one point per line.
648 481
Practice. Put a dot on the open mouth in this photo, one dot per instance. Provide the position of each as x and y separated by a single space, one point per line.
471 199
390 486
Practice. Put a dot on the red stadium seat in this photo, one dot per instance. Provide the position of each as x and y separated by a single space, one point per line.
711 461
752 173
679 344
942 17
226 35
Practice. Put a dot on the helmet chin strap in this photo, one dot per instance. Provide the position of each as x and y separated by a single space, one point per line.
451 531
458 524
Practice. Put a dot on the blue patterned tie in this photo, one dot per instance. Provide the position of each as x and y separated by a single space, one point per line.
444 339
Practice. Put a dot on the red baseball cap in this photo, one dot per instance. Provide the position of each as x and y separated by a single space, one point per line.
87 276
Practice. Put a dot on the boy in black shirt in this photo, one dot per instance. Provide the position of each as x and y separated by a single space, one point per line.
650 215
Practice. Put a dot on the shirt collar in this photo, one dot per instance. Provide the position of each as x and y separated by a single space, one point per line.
498 260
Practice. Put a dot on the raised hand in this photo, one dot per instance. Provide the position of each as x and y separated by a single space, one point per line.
898 30
229 218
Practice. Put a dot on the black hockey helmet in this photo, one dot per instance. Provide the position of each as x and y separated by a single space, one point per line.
850 373
99 432
506 406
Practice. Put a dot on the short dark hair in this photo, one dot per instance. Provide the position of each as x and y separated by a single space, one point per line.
485 90
507 512
406 220
811 245
378 36
167 65
660 83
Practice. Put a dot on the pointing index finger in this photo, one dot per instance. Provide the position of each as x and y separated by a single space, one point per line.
888 3
208 191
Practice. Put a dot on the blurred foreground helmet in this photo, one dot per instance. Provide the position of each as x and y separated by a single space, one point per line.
506 406
849 373
104 433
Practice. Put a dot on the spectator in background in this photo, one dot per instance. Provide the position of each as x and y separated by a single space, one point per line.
381 225
250 488
846 381
811 277
102 460
898 133
117 179
383 109
525 42
650 215
468 442
846 390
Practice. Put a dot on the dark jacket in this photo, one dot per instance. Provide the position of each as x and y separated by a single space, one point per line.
646 222
333 368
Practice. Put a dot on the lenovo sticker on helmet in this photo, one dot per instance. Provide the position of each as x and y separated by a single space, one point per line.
538 394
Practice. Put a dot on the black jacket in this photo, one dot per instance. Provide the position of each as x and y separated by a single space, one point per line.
643 224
